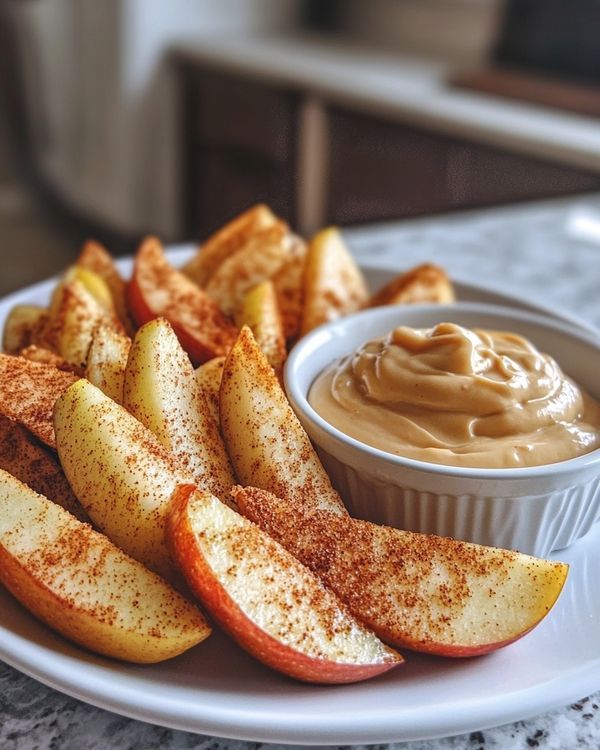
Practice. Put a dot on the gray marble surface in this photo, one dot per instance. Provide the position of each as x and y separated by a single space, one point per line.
548 252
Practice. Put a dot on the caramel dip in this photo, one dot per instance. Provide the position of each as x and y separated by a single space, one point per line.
460 397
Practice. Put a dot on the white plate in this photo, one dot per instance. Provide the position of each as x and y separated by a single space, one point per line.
218 690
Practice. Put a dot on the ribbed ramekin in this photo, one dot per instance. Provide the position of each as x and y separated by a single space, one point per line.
534 510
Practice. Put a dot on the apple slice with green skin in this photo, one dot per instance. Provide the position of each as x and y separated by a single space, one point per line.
120 473
107 360
267 444
265 599
158 290
334 285
161 390
226 241
28 391
427 593
80 584
260 312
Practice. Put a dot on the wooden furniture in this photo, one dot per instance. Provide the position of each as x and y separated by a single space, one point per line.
316 163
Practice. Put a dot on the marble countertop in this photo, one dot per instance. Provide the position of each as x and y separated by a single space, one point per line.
549 252
412 89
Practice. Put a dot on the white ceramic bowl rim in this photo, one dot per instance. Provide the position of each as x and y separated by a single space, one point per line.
299 399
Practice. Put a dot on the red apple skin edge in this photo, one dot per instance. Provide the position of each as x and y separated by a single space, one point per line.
142 313
268 650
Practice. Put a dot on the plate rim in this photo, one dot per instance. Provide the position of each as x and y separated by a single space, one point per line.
388 727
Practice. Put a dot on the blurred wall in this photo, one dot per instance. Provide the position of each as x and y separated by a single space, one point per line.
103 105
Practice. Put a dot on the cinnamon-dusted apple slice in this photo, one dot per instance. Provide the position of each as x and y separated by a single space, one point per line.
208 377
45 356
23 327
226 241
80 584
263 255
94 257
36 466
266 442
107 360
260 312
119 472
265 599
418 591
289 288
80 304
426 283
159 290
28 391
161 390
334 285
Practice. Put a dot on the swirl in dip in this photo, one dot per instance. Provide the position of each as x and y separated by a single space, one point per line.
460 397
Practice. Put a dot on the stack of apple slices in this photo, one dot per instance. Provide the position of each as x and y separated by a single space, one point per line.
204 482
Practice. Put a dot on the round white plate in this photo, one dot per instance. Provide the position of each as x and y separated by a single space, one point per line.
217 689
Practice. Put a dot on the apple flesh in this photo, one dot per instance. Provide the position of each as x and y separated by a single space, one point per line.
94 257
426 283
418 591
273 606
267 444
157 290
28 391
120 473
161 390
226 241
107 360
33 464
80 584
334 285
260 312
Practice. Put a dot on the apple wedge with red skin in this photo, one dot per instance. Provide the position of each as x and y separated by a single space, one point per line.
273 606
423 592
158 290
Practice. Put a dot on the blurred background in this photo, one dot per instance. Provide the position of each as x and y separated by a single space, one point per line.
124 117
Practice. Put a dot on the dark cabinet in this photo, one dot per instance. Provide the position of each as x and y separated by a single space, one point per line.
243 144
381 170
239 149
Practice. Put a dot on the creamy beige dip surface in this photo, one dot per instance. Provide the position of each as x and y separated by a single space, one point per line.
459 397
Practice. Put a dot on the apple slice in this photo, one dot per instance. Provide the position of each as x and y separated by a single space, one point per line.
226 241
23 457
28 391
263 255
208 378
107 360
424 284
418 591
267 444
23 327
334 285
76 581
260 312
118 470
76 312
94 257
161 390
158 290
44 356
266 600
289 288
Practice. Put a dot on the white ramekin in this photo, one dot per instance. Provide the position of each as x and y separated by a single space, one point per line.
534 510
